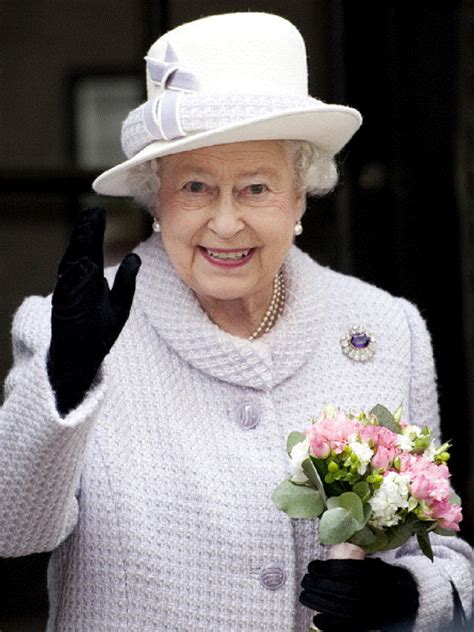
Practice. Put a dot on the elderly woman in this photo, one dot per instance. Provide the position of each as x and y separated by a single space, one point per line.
144 428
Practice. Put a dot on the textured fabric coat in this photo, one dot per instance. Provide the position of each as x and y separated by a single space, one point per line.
155 493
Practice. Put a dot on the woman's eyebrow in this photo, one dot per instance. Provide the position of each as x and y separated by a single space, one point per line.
264 171
195 170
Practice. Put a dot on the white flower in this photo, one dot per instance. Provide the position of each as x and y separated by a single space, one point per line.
406 440
391 496
329 411
430 452
363 452
404 443
298 454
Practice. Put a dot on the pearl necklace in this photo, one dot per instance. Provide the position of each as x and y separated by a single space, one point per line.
274 309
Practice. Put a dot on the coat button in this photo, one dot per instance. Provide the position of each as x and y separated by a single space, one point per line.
248 415
272 576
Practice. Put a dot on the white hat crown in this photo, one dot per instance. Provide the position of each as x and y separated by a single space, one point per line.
243 53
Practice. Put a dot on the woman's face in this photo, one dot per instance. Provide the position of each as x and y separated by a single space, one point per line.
227 216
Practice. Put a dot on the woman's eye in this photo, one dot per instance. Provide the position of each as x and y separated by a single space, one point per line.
257 189
195 187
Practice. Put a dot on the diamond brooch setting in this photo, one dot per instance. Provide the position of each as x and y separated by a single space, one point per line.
359 344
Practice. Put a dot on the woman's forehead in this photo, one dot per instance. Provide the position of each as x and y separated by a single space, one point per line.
245 159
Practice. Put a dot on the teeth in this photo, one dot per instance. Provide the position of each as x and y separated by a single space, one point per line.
228 255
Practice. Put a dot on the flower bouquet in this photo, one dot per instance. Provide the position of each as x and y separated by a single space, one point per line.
372 479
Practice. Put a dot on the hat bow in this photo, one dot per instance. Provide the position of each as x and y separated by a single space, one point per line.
160 114
169 73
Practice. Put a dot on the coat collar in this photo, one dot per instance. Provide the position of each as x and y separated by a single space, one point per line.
176 316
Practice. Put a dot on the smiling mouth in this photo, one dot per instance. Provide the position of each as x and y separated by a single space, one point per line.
227 258
227 255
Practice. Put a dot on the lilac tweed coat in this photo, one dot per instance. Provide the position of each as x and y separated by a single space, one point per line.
155 496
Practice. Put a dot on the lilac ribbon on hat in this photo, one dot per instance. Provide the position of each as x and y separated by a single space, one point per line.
169 74
160 114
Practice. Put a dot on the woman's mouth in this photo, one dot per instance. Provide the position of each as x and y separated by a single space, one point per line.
227 258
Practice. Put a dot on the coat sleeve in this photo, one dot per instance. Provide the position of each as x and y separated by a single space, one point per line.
453 556
40 452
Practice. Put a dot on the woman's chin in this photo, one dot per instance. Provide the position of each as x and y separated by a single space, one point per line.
225 285
220 293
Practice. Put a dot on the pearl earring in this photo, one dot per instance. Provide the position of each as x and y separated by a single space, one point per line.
298 229
156 226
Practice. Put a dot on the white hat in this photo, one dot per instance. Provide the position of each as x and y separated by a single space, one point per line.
225 79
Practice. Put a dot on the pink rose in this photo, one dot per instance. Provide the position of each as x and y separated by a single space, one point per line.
413 463
384 457
448 515
319 447
380 436
421 487
331 434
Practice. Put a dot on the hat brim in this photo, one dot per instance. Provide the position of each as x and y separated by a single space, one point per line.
328 126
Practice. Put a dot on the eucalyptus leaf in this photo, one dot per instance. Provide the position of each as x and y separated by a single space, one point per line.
425 544
399 535
294 438
362 489
298 501
312 473
367 512
364 537
386 419
351 503
333 502
336 526
380 542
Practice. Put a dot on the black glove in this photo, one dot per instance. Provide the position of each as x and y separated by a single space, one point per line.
87 317
360 595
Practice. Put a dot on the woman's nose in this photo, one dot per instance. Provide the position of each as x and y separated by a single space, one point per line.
226 220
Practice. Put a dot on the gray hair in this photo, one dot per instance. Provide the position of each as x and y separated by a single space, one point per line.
315 170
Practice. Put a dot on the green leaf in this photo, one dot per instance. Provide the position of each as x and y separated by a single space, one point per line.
336 488
351 503
367 512
294 438
386 419
455 499
446 532
333 502
425 544
298 501
399 535
380 542
311 472
321 465
336 526
331 489
397 415
362 489
364 537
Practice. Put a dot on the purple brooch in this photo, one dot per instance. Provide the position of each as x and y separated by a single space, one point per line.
359 344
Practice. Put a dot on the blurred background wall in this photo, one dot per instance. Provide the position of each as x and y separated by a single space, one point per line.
402 217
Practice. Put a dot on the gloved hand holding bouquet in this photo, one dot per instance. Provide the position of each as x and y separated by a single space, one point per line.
374 481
